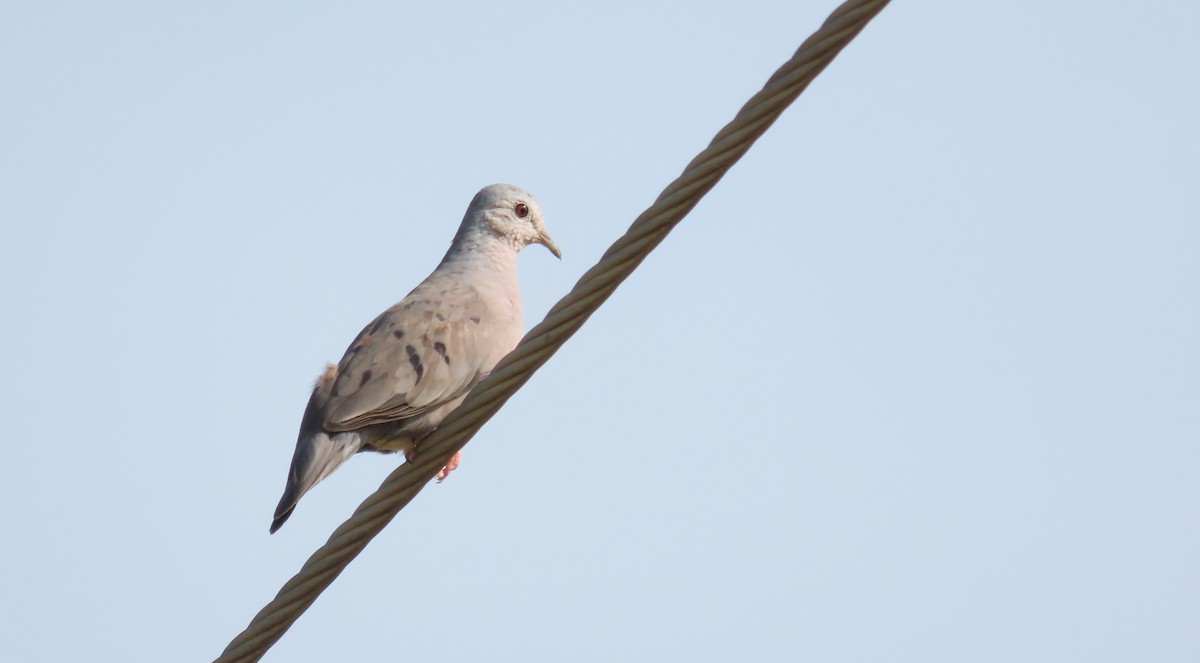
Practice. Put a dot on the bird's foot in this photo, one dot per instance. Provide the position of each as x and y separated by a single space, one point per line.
450 466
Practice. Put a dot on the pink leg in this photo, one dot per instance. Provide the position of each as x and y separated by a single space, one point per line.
450 466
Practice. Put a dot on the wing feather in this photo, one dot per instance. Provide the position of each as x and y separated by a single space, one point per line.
424 352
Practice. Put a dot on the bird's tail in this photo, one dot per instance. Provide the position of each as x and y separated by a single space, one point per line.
317 454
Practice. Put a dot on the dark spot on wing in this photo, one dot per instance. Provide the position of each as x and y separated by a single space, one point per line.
399 333
366 377
415 361
475 319
440 348
441 318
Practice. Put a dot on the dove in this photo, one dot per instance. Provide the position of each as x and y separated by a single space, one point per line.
416 362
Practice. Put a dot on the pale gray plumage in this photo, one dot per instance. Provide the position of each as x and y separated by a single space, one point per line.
416 362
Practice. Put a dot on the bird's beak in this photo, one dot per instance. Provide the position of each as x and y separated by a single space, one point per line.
544 240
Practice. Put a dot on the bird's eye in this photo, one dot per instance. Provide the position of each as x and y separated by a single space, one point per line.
522 210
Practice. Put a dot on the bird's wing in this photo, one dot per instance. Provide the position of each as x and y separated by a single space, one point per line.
425 351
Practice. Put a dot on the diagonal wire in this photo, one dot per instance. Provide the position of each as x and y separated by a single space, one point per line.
563 320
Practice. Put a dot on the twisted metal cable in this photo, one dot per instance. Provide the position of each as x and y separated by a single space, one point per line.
563 320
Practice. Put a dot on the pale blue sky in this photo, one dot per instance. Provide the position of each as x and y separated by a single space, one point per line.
918 381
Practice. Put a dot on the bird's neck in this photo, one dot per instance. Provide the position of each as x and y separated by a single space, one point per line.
481 250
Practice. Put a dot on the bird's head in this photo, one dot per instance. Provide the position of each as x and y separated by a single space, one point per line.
513 214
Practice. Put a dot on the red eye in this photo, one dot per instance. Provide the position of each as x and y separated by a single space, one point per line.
522 210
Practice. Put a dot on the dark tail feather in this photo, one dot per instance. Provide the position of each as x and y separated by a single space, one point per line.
316 456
